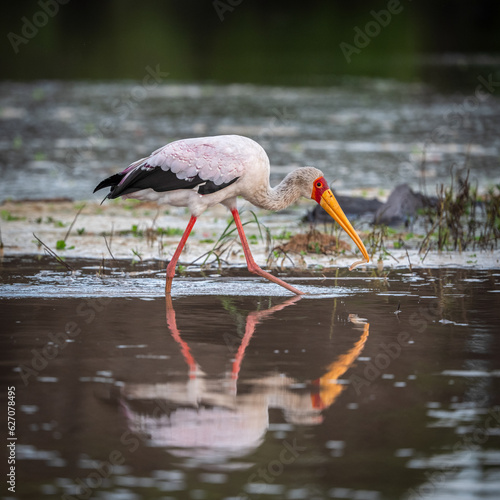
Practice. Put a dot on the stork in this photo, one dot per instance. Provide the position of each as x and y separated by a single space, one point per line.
199 173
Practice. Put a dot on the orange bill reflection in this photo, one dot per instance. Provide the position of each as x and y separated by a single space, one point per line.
201 416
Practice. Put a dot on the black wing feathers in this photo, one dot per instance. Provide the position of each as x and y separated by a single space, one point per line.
158 180
210 187
110 182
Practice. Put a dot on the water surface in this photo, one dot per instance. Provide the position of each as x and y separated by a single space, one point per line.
363 133
369 387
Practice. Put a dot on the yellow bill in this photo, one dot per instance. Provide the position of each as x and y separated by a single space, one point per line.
332 208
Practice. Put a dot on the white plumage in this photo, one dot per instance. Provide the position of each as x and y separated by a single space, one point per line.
200 172
190 157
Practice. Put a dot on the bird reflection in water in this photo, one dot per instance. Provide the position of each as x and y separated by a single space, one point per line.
209 419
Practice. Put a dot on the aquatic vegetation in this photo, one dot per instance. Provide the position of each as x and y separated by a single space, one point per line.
314 242
40 156
229 237
171 231
151 233
7 216
137 254
490 231
61 245
463 220
460 220
377 240
284 235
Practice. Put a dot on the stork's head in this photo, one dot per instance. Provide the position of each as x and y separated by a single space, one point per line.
323 195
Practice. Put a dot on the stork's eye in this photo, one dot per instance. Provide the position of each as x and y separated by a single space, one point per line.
319 184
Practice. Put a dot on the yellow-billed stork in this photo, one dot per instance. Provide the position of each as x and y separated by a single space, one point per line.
200 172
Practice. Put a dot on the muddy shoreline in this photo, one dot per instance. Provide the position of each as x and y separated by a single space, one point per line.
141 232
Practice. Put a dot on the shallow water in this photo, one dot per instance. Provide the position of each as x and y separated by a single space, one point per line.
369 387
58 139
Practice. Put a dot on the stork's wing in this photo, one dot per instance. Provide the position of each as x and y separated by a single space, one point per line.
146 178
207 163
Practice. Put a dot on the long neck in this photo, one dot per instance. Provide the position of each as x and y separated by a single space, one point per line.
279 197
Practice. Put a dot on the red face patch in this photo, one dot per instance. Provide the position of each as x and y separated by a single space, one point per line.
319 187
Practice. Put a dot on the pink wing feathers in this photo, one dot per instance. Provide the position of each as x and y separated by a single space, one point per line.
207 163
218 159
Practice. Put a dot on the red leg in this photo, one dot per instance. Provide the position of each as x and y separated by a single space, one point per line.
175 257
172 325
253 319
252 266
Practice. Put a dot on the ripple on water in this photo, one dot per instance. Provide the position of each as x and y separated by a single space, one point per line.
59 285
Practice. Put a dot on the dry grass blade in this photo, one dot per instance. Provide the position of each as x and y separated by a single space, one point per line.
74 220
53 254
108 245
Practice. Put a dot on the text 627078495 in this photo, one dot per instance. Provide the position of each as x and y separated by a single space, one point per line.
11 439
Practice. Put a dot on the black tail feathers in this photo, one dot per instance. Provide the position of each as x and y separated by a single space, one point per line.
111 182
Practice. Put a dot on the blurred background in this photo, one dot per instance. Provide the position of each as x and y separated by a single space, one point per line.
360 89
254 41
